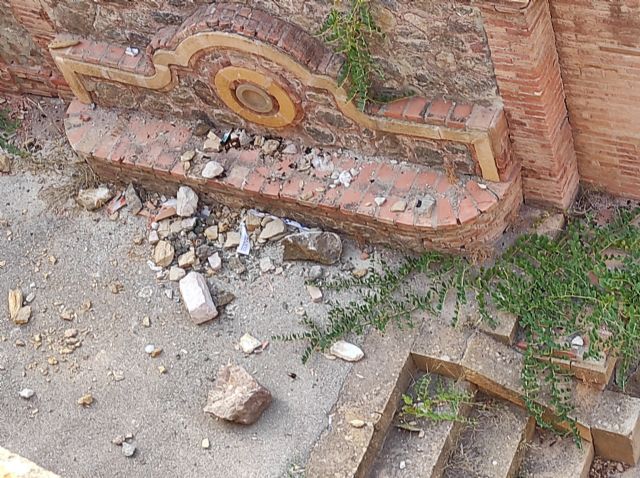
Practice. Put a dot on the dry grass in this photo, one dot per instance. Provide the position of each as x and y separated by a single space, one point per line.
54 157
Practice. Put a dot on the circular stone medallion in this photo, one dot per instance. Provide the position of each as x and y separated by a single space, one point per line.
255 96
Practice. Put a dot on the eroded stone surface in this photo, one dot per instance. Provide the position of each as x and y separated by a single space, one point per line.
322 247
237 396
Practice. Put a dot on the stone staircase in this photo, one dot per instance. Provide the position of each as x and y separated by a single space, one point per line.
499 441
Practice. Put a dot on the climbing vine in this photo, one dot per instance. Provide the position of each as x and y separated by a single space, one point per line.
350 32
586 283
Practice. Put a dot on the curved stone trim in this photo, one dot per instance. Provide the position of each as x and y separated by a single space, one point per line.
483 130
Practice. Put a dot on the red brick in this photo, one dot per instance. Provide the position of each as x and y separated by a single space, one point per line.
438 111
112 56
177 137
444 185
481 118
164 162
415 109
404 181
367 206
384 213
467 211
395 109
386 175
271 189
76 134
106 145
350 201
237 176
93 52
482 197
444 213
459 115
254 182
425 180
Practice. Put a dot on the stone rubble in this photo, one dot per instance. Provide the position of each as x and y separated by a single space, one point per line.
212 169
237 396
176 273
213 143
187 202
273 230
315 293
197 298
346 351
128 449
92 199
26 393
270 146
5 163
322 247
248 343
163 254
133 200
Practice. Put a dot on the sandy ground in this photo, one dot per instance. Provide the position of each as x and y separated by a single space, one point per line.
162 411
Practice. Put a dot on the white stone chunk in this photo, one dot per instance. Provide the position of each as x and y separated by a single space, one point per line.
346 351
197 298
187 202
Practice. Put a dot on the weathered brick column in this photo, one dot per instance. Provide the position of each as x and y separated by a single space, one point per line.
525 59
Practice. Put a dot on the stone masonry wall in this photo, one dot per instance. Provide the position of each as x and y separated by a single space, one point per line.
438 47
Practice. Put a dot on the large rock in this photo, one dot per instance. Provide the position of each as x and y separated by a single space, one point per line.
197 298
237 396
92 199
322 247
187 202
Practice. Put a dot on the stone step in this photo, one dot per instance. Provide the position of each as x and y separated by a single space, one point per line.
423 208
608 419
493 445
551 456
15 466
371 394
424 453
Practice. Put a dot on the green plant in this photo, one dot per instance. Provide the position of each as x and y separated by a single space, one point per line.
7 128
587 282
350 32
386 297
439 403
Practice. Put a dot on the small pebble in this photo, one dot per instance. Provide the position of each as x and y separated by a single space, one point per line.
27 393
128 449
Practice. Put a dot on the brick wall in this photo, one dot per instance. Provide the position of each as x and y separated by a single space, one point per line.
540 54
526 65
599 47
439 47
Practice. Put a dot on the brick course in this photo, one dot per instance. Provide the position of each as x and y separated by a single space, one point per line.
466 217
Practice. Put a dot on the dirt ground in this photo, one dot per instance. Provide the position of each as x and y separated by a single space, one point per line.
69 258
93 269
